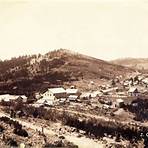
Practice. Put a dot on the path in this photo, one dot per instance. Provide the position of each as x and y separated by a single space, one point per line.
82 142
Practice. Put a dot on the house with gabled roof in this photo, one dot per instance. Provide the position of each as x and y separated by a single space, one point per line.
55 93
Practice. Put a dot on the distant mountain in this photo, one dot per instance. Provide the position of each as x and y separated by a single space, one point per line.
30 73
136 63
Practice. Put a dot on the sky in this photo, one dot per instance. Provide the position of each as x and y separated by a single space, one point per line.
105 29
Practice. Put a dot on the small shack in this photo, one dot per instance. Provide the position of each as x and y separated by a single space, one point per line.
85 95
44 102
22 98
73 98
133 91
119 103
72 91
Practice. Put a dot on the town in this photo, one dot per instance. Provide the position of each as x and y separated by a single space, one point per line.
117 101
73 74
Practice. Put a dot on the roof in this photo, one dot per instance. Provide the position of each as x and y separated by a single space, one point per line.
2 97
119 100
62 99
42 101
110 90
85 94
23 97
133 89
145 80
106 106
48 98
140 78
57 90
7 97
126 83
72 91
95 94
73 96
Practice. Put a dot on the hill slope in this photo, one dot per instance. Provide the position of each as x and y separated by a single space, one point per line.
136 63
30 73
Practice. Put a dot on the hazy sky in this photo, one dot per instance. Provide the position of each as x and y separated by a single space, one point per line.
106 29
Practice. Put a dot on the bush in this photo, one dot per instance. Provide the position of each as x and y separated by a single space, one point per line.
21 132
12 142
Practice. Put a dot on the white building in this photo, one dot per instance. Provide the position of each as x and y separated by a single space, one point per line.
23 98
72 98
133 91
119 102
85 95
44 102
110 90
95 94
7 97
55 93
145 81
72 92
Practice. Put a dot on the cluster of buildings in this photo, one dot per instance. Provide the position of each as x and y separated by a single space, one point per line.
125 91
116 91
9 98
57 96
122 89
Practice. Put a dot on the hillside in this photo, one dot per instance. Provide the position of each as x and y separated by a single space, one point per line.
31 73
136 63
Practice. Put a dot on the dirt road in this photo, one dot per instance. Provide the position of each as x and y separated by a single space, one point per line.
82 142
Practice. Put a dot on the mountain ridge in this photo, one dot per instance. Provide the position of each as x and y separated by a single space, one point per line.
136 63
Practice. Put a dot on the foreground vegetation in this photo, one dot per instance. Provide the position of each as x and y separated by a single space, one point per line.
94 128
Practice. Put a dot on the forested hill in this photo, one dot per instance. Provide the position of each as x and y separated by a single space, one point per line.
30 73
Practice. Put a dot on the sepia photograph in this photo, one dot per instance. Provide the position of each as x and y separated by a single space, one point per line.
73 74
